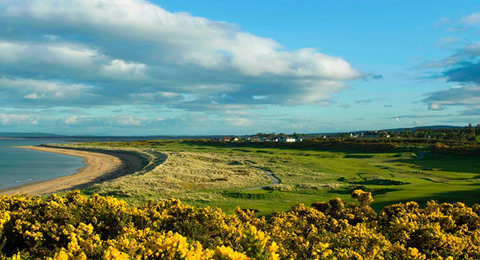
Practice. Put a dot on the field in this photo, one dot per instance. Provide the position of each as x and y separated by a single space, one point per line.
217 176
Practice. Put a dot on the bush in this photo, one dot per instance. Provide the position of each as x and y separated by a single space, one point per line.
96 227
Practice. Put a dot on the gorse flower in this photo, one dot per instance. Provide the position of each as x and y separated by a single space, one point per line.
96 227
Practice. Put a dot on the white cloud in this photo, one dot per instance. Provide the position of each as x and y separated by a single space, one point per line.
124 120
114 120
120 68
239 121
471 20
61 54
155 96
31 96
71 120
67 59
467 97
17 119
9 52
25 91
133 47
471 50
435 106
447 42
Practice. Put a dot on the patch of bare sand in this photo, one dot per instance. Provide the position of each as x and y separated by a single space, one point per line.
99 167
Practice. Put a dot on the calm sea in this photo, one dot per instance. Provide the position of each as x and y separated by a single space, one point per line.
19 166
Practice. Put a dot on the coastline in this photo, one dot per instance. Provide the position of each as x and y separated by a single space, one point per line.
99 166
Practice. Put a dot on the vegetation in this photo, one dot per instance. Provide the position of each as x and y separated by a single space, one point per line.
365 145
217 174
230 214
96 227
186 175
466 134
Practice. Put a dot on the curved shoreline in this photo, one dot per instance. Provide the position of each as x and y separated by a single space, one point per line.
99 166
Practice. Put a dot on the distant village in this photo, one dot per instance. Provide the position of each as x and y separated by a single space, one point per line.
256 138
283 138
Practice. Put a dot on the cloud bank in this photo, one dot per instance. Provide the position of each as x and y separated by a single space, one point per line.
462 68
100 52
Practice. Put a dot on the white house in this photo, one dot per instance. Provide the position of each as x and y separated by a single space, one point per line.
290 139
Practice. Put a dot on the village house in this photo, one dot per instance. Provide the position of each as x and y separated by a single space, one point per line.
272 138
289 139
254 138
353 135
376 134
231 139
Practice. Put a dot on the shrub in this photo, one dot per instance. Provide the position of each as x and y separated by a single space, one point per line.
96 227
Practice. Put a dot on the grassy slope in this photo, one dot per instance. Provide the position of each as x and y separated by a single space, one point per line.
309 176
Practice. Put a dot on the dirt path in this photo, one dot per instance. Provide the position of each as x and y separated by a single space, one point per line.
99 167
270 175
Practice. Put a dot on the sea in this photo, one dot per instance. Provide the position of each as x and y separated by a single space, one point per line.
20 166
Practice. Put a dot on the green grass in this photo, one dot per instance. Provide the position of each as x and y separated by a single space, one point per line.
309 175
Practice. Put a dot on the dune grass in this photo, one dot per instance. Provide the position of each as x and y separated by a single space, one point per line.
191 176
205 175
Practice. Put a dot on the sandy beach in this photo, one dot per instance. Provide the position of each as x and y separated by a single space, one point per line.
99 167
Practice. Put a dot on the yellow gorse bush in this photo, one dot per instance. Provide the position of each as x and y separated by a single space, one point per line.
96 227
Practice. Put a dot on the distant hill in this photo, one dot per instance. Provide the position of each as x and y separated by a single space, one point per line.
28 135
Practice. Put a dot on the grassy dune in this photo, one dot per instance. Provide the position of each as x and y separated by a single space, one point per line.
186 175
215 176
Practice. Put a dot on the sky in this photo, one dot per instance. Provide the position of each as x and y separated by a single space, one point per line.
169 67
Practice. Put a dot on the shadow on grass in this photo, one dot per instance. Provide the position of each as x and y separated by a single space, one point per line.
299 146
468 197
375 181
242 150
358 156
378 191
441 162
253 196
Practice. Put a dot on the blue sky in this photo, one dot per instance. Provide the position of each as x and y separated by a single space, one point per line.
134 67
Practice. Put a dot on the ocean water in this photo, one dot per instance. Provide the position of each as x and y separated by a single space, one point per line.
20 166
